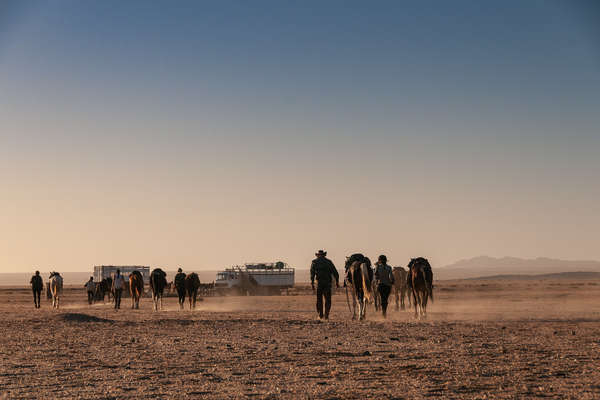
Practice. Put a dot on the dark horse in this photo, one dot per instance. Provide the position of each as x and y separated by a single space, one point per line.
103 288
420 280
136 288
359 276
192 283
158 282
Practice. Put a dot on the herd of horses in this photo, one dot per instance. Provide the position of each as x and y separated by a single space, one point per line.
416 280
158 284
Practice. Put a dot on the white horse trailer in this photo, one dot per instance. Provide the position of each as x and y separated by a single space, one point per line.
259 278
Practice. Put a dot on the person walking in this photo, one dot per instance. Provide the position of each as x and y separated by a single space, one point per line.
384 278
179 283
118 284
323 270
37 284
91 289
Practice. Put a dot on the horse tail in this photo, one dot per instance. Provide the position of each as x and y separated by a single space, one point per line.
430 287
426 283
348 297
366 286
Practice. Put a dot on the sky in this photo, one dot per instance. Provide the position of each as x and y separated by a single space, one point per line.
205 134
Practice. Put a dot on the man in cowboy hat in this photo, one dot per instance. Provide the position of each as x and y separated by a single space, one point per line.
385 280
323 269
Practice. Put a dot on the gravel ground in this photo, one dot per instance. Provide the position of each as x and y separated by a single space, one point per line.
501 339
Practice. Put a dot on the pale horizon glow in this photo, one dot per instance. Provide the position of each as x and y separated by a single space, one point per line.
204 135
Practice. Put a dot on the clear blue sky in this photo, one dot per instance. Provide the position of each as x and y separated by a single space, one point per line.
211 133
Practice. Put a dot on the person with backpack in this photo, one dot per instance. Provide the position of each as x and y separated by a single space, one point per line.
384 278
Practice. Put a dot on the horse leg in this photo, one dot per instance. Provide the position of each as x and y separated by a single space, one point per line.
401 296
362 309
353 306
414 292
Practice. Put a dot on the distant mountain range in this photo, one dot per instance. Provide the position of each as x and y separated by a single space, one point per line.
560 275
484 266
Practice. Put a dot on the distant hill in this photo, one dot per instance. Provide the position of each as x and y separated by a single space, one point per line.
560 275
490 266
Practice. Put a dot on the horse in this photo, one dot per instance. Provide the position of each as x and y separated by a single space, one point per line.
206 289
56 286
136 288
192 283
158 282
103 288
359 275
420 278
400 287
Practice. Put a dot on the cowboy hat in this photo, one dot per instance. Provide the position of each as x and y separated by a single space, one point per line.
321 253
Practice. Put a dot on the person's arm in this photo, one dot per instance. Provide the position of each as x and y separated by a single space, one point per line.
312 275
335 274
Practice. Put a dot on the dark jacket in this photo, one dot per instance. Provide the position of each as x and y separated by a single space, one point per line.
179 280
323 269
36 282
384 275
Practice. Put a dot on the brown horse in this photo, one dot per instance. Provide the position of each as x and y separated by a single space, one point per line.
192 284
158 282
103 288
400 287
421 282
136 288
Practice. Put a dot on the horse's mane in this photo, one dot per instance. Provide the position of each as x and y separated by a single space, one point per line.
353 258
418 260
136 273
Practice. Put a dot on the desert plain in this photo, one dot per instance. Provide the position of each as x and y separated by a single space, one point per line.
482 339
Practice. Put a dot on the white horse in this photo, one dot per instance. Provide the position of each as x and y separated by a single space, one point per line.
358 278
56 286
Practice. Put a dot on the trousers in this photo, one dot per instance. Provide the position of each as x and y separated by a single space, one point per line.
323 292
384 293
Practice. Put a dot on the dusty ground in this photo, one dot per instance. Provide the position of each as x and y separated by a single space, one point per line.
481 340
